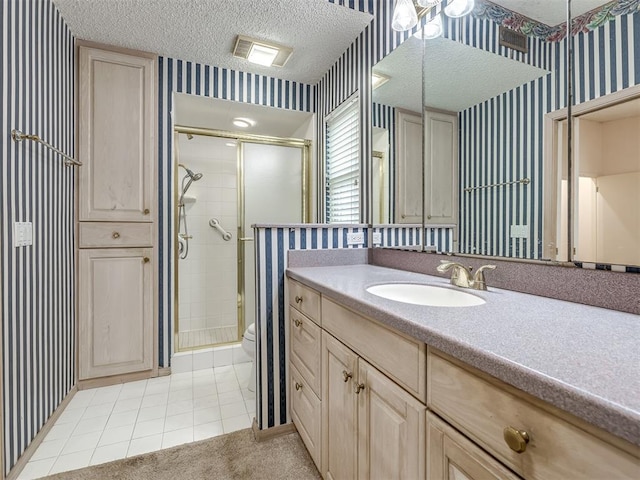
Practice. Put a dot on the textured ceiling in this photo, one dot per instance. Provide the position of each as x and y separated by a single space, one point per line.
204 31
448 82
550 12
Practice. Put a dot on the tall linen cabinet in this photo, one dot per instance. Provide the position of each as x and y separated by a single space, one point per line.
117 266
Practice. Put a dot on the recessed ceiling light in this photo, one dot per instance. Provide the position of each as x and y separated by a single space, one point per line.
378 79
243 122
261 52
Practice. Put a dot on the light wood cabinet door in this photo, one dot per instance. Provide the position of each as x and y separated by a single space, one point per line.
115 311
391 436
440 168
339 410
116 131
408 167
450 456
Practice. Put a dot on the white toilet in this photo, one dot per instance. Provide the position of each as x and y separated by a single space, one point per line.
249 346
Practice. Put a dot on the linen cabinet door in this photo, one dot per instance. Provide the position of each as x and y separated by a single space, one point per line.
116 135
115 312
391 435
451 456
339 410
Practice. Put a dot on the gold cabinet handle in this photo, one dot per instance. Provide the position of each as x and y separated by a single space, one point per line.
346 376
516 439
359 388
146 211
297 322
146 260
115 235
298 386
298 299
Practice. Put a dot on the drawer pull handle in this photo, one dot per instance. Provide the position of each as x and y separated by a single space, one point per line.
298 386
516 439
346 376
297 322
146 211
146 260
298 299
115 235
359 388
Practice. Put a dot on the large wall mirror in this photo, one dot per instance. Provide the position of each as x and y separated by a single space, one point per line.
494 121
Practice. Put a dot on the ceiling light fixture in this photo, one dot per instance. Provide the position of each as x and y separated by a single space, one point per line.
243 122
404 13
378 79
261 52
404 16
459 8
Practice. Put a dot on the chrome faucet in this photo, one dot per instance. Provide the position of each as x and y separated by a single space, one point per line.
461 275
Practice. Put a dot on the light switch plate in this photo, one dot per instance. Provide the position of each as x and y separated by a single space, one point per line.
22 234
519 231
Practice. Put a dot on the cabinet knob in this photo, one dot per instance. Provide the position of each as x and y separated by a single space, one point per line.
146 211
297 322
146 260
298 386
346 375
115 235
359 388
516 439
298 299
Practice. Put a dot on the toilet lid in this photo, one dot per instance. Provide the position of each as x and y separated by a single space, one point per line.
250 333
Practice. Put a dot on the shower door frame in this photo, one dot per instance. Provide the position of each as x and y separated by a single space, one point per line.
241 239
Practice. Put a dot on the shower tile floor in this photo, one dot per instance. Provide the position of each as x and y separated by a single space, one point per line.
207 336
109 423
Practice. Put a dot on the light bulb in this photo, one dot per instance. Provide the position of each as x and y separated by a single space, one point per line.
433 29
404 16
459 8
429 3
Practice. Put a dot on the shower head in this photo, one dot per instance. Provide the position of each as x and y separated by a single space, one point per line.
194 176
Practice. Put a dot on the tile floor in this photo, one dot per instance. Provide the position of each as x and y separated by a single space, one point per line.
108 423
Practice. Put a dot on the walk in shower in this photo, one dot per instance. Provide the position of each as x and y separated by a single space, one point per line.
224 184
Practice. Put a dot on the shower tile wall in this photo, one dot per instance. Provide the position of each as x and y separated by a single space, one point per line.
207 278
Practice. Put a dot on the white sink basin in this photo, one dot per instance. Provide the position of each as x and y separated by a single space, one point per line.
419 294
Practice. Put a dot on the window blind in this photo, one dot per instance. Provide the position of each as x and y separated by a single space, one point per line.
342 165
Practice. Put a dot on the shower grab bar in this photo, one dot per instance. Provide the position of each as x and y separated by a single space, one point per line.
214 223
18 136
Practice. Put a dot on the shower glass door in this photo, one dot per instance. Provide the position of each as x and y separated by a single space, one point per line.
273 186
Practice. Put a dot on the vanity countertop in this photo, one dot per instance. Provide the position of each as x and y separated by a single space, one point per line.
584 360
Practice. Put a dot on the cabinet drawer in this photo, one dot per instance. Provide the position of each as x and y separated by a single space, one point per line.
483 409
306 414
305 348
112 234
305 299
399 356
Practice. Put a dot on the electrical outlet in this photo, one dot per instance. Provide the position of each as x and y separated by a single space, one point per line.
22 234
377 238
519 231
355 238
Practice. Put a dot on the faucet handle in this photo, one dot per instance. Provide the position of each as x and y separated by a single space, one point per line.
479 282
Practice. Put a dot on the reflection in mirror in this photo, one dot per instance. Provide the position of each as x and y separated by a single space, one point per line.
470 159
397 146
607 199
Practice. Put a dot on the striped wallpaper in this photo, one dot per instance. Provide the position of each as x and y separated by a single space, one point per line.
384 116
37 283
178 76
502 138
272 359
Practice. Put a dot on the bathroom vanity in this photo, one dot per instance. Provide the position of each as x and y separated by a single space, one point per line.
517 387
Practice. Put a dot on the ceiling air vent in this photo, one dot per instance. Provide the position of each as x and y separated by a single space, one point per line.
274 53
515 40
